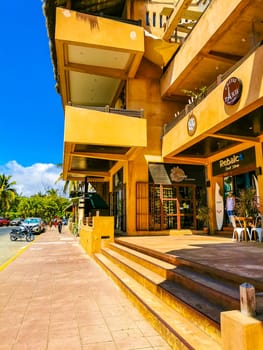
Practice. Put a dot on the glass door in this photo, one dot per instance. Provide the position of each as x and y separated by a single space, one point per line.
172 207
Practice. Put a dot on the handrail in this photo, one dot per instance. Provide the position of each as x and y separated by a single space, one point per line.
189 107
126 112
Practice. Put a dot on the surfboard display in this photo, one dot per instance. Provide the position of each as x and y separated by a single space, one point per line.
255 183
219 201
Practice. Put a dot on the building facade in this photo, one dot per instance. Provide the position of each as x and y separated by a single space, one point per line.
163 105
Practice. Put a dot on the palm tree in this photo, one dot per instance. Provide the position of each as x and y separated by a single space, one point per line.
7 192
71 186
52 192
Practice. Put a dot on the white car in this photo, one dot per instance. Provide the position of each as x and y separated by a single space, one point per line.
37 223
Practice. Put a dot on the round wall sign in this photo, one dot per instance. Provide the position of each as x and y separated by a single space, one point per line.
232 91
191 124
177 174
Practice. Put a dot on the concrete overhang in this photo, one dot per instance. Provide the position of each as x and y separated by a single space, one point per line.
95 141
94 56
222 36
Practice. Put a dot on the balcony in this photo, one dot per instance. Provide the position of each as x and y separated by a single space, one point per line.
220 128
97 138
93 59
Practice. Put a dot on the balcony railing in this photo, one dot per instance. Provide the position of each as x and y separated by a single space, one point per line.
125 112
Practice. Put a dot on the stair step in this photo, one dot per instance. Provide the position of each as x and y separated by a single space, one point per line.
196 266
179 332
196 307
159 266
218 290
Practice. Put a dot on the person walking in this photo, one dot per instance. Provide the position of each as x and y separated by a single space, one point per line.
50 224
60 226
230 206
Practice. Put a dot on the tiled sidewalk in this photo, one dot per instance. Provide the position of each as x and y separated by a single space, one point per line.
54 297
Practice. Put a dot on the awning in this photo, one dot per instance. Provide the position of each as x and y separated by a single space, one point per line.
95 201
159 174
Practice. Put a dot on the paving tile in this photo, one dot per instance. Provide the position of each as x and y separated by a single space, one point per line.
55 297
95 334
100 346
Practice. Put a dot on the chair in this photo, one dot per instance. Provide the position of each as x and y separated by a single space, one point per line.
257 231
239 230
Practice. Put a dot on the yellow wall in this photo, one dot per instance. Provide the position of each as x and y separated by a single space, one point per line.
212 114
144 92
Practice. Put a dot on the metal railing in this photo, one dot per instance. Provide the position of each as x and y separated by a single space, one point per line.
125 112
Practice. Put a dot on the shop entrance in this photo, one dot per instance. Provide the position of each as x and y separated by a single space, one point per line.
118 203
238 183
172 207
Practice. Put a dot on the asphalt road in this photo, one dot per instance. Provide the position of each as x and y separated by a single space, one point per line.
8 248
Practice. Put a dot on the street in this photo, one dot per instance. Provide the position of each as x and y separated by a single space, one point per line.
8 248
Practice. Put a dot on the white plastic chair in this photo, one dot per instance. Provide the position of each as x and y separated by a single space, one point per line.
258 231
238 232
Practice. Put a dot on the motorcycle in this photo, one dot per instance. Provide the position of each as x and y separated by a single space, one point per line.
22 232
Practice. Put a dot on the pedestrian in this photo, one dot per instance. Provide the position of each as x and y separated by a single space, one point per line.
55 222
60 226
230 207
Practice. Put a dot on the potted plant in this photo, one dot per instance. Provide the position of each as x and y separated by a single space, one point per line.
203 217
246 203
197 95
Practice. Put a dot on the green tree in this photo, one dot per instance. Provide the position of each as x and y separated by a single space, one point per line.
7 192
46 207
52 192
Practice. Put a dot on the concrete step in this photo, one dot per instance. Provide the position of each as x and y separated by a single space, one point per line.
199 309
180 332
232 278
219 291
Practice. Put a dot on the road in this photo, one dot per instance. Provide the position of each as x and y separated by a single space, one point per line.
8 248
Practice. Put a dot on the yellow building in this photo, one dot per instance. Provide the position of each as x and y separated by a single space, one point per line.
163 105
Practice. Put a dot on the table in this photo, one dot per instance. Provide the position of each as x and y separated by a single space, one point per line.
245 221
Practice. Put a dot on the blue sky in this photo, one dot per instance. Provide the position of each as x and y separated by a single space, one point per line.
31 141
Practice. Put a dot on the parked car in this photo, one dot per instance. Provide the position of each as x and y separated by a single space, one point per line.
38 224
4 222
16 221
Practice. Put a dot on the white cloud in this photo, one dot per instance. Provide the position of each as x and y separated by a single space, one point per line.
33 179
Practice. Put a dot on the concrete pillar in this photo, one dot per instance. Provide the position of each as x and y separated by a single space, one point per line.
240 332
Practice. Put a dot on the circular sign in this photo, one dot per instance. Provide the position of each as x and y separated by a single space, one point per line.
232 91
191 124
177 174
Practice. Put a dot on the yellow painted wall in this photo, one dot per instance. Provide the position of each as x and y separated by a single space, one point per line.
75 27
208 24
212 114
103 128
143 92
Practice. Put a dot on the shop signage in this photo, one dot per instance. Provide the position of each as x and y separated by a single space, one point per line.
232 91
177 174
191 124
234 161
